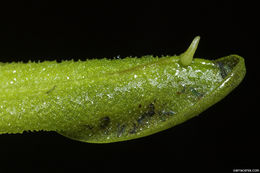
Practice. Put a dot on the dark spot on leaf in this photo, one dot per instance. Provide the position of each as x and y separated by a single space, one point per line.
195 92
120 130
164 114
182 91
222 68
104 122
139 105
141 119
151 109
134 129
49 91
150 112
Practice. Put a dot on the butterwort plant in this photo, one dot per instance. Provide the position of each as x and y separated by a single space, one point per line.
103 101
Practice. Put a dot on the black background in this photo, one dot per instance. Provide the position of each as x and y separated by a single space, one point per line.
222 138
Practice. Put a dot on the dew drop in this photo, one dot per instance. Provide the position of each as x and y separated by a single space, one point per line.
109 95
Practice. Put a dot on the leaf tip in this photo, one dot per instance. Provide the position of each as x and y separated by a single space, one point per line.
187 56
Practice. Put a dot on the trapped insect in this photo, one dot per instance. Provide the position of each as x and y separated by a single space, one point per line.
102 101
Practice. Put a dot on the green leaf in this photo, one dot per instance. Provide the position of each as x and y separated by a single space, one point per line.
102 101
